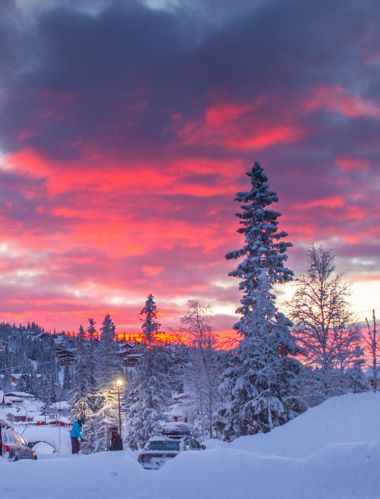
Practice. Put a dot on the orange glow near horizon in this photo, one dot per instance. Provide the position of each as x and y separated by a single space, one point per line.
224 340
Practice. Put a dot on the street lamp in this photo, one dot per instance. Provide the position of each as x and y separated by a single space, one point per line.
119 382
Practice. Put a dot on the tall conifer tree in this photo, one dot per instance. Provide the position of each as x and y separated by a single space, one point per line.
81 395
148 392
258 385
108 369
150 325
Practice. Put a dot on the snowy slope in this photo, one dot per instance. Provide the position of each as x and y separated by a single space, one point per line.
331 452
347 419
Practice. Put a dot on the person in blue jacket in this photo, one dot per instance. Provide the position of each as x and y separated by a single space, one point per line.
76 436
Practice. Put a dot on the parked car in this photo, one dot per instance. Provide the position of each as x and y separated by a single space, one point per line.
161 448
14 447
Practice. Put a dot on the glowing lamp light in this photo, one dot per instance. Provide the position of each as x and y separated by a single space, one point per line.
119 382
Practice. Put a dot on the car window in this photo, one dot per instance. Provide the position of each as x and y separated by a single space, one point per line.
16 438
9 437
163 445
194 443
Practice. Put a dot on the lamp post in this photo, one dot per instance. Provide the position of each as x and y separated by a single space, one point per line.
119 383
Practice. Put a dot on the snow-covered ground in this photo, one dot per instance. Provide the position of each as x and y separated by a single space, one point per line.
330 452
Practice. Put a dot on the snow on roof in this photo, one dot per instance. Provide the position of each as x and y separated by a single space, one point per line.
5 422
23 395
10 398
62 405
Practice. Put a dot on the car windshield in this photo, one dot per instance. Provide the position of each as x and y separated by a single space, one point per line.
9 437
163 445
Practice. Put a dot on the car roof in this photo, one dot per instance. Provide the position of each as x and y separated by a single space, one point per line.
176 426
162 438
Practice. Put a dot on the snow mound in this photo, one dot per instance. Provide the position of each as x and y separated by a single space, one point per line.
352 418
43 449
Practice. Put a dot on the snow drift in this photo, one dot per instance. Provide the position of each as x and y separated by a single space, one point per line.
330 452
351 418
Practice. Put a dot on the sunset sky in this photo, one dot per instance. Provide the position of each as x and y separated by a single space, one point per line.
126 128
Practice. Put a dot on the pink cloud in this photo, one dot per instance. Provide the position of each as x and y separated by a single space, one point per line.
152 270
336 99
353 164
331 202
237 127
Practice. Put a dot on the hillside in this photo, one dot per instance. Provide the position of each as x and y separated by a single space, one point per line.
348 419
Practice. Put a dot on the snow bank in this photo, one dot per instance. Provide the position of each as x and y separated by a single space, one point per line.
43 449
347 419
331 452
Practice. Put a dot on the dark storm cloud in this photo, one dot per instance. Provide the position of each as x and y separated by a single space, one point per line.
90 68
117 77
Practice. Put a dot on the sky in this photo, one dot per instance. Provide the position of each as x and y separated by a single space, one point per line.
126 128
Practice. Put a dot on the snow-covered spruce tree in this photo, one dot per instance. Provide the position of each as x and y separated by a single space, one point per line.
150 325
81 391
91 352
24 383
148 393
108 359
48 395
91 330
202 372
108 368
94 393
259 383
324 326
